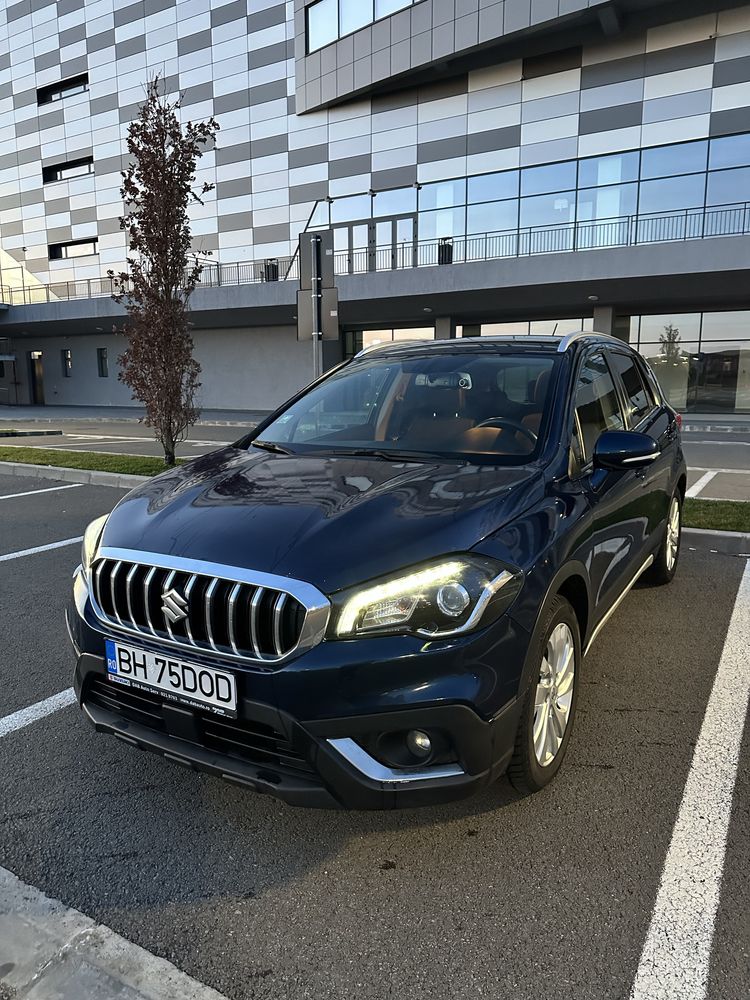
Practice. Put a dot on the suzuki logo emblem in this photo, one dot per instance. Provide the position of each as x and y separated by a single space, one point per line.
174 606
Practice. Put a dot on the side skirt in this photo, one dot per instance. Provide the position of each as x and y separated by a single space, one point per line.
617 603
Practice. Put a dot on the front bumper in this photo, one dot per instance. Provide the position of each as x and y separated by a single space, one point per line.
301 731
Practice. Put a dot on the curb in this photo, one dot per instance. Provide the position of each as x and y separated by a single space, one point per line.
54 951
716 428
729 543
89 477
120 420
24 434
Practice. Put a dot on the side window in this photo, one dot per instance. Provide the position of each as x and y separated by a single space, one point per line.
596 404
638 394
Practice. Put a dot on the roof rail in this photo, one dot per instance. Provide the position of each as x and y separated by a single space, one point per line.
573 338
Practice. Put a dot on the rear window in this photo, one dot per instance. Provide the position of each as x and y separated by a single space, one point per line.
447 404
637 391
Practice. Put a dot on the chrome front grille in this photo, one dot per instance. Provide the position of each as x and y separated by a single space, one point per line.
203 606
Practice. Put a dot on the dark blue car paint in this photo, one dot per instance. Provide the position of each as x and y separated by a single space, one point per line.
338 521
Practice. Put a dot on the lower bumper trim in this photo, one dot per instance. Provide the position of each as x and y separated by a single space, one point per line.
354 754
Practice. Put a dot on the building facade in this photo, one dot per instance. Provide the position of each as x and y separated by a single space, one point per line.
484 166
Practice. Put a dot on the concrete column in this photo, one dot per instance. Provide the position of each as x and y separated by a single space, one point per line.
472 330
604 320
445 328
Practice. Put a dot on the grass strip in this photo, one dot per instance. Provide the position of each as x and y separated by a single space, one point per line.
717 515
134 465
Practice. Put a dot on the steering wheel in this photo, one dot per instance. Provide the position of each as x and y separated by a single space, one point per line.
512 425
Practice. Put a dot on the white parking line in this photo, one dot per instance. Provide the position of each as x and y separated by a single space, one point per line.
25 716
675 959
723 472
40 548
48 489
700 484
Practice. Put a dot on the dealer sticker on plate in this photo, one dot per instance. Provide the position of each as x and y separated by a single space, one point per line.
188 683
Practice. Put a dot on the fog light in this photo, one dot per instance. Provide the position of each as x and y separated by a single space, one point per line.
418 743
453 599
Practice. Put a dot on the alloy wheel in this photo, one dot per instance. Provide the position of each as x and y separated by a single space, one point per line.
554 694
673 534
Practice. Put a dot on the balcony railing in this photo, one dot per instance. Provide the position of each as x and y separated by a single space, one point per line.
634 230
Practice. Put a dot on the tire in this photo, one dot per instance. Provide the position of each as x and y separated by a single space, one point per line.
532 767
667 556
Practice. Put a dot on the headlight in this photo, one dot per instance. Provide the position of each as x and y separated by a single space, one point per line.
91 537
435 600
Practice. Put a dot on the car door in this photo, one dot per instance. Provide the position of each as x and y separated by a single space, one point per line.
644 413
613 536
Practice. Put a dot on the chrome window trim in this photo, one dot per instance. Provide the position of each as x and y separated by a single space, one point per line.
363 762
316 604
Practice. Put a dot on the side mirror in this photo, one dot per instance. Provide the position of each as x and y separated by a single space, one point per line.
625 450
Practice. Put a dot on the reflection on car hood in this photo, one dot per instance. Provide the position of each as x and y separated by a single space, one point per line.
331 520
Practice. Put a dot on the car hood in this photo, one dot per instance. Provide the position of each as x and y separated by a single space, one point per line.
332 521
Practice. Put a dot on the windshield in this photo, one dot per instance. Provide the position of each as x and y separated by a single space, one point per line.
449 404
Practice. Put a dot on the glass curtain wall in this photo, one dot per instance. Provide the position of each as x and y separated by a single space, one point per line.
702 360
683 191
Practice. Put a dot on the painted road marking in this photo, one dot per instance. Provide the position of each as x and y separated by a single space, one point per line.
41 548
677 953
700 484
25 716
723 472
48 489
51 950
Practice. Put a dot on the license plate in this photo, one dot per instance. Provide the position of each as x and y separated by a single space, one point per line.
188 683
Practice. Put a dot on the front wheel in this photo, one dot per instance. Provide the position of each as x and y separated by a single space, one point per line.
668 554
550 704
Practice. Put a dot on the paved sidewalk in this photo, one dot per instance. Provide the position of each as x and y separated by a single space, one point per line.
51 952
120 414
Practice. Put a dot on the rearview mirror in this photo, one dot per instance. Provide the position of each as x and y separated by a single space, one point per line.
625 450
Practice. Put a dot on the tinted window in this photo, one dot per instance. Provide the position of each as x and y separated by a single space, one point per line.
449 403
664 161
596 403
637 393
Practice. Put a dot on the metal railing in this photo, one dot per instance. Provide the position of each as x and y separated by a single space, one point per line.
632 230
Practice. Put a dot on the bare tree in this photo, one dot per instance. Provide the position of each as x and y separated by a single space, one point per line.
157 190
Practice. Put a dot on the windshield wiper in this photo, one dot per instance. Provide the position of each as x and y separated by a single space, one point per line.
392 456
277 449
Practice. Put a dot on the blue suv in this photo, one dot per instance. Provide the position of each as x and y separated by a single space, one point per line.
382 596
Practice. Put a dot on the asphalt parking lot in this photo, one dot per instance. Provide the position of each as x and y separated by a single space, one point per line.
496 896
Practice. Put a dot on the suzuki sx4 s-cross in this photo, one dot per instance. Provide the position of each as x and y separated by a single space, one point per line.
382 595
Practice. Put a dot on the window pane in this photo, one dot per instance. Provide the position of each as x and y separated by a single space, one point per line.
322 24
385 7
729 187
321 216
555 177
608 169
672 193
638 395
664 161
496 217
443 194
548 209
726 326
555 327
730 151
493 187
719 378
673 366
596 403
358 206
400 201
500 329
354 14
444 222
658 329
607 202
